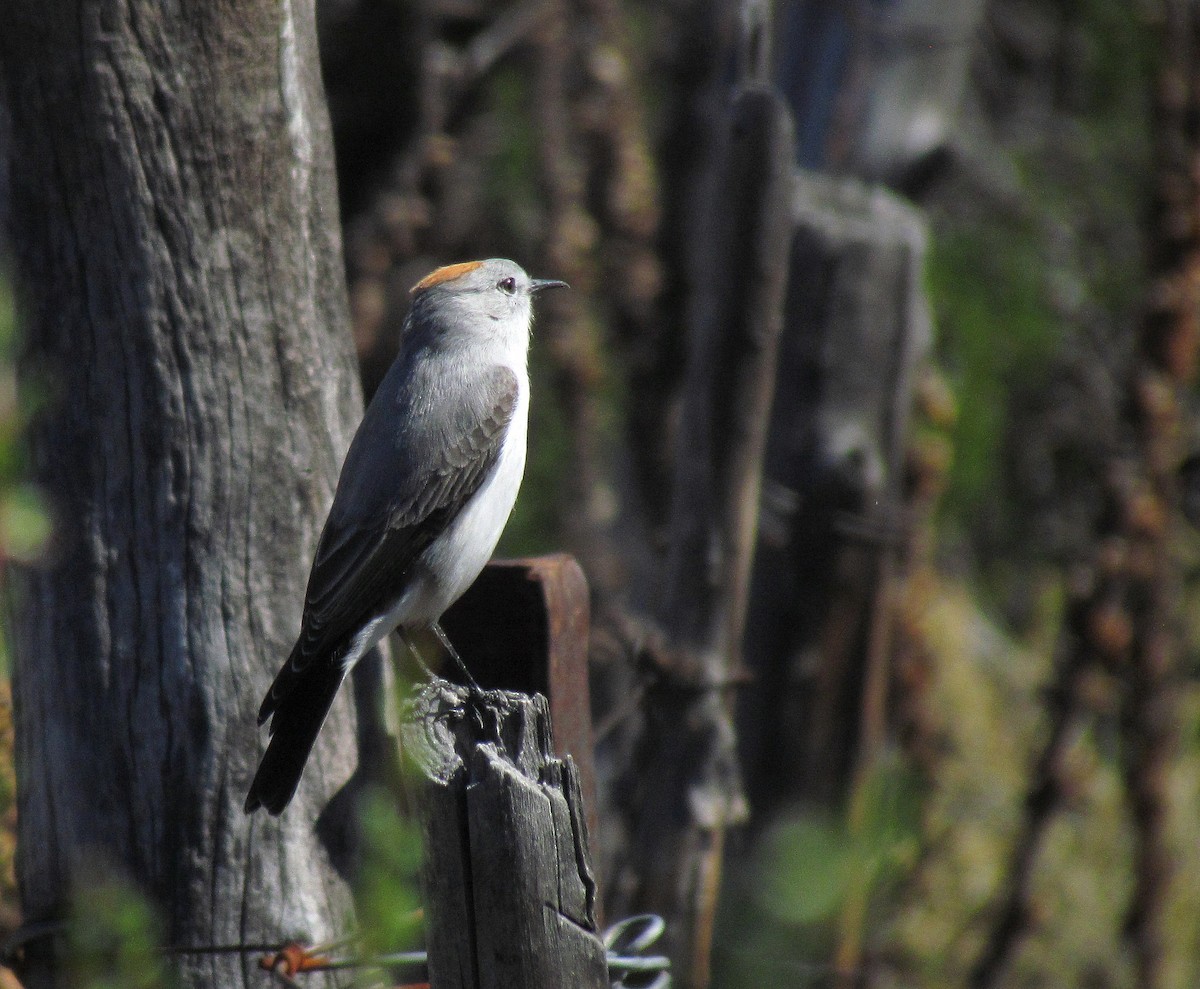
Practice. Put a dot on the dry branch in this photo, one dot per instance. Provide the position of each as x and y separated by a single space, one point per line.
687 789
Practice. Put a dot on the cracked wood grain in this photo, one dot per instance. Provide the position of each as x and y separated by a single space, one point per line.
510 897
177 249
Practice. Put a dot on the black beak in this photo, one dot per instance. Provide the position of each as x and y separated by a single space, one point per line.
540 284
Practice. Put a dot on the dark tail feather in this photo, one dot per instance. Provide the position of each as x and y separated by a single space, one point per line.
297 719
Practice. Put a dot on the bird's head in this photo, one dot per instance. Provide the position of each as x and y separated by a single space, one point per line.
477 301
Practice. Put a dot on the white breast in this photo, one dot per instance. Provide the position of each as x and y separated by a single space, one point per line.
461 552
454 560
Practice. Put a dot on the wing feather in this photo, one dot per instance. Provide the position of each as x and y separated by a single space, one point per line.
366 551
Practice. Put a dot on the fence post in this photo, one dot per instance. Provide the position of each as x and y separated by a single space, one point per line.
510 896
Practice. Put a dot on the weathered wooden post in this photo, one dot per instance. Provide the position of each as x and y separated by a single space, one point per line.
524 626
510 898
856 331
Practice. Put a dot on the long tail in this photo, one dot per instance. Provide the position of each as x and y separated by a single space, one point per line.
296 719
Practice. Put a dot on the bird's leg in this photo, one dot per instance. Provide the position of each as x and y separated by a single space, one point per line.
444 639
476 698
475 693
415 652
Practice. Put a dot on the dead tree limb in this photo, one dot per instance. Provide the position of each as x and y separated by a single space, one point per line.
688 789
1166 372
1045 796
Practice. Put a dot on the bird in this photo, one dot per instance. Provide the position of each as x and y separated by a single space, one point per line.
427 486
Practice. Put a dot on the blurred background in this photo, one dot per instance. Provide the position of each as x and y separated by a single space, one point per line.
967 717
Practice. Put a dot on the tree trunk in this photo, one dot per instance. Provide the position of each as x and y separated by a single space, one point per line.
176 237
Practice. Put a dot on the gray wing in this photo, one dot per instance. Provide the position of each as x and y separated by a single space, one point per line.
409 472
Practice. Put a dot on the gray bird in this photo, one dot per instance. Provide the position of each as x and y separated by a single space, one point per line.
426 489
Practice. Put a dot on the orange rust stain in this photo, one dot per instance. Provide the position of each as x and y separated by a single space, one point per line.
446 274
293 959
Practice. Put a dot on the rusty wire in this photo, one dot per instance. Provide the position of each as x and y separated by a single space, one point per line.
626 943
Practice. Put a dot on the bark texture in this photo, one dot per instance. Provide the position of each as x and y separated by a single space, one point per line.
177 243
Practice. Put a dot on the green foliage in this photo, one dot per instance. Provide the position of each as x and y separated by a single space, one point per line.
815 873
990 721
1059 257
24 523
1051 275
511 180
806 867
112 939
387 893
988 288
810 862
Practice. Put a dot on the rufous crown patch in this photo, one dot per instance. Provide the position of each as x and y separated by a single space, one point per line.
446 274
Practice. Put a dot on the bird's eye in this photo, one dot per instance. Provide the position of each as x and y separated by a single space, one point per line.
507 285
